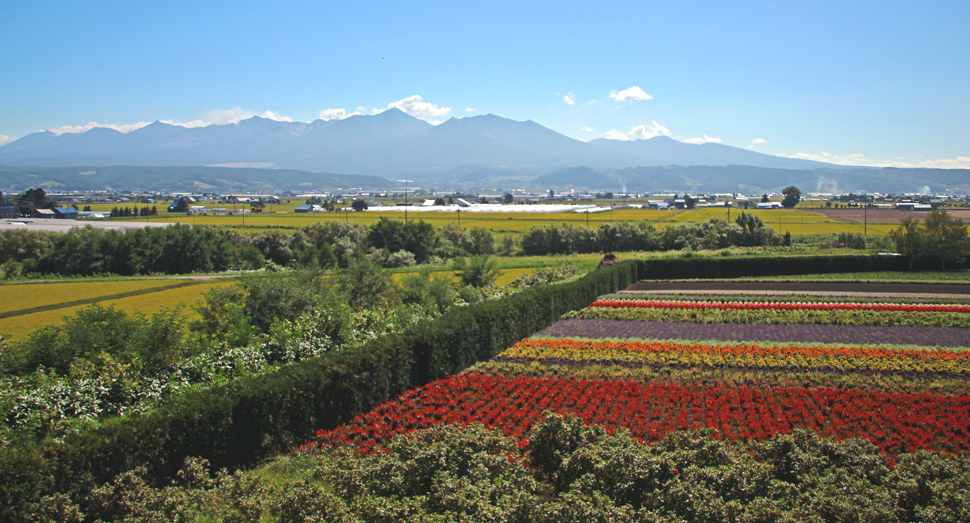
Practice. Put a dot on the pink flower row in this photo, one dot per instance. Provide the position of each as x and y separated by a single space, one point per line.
789 306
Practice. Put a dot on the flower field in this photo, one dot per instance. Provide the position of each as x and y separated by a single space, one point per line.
896 374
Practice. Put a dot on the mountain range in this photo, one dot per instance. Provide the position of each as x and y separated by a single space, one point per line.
371 151
391 143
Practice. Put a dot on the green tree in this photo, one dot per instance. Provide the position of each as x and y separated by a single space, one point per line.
182 205
359 205
418 238
908 239
793 195
477 271
764 198
365 283
439 201
508 198
945 238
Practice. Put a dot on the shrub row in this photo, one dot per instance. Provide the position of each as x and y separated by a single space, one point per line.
252 418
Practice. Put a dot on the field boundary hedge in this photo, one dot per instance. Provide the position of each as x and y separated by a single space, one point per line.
256 417
753 266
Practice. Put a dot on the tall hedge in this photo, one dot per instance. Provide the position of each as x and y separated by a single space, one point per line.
754 266
259 416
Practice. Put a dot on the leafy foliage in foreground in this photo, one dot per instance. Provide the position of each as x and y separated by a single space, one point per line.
566 472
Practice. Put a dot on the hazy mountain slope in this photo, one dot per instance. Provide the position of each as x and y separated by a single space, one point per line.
663 150
180 179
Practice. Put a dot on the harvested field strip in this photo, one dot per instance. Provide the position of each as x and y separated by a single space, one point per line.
752 356
187 296
767 295
896 423
842 334
34 297
784 306
776 316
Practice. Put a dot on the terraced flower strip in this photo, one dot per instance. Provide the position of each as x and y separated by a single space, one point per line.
750 356
795 333
777 316
785 306
896 423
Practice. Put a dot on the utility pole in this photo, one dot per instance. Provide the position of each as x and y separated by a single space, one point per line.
405 199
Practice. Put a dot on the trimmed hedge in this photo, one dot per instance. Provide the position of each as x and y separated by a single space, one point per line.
259 416
752 266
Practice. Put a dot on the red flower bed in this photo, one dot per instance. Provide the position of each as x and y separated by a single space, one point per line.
895 422
892 307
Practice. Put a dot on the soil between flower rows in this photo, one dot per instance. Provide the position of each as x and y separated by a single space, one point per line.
804 333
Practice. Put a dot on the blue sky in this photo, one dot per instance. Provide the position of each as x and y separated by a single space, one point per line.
873 83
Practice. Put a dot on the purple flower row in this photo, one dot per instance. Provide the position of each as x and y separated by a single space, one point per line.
803 333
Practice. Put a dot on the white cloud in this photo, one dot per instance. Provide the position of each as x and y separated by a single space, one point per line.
704 139
613 134
591 102
587 129
124 128
337 114
469 110
415 106
4 139
633 94
960 162
227 116
655 129
759 141
360 109
570 98
273 115
193 123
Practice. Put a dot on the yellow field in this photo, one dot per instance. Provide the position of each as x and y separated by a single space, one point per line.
798 222
766 215
830 228
18 326
30 295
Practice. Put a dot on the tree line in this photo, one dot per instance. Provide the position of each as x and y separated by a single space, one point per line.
938 237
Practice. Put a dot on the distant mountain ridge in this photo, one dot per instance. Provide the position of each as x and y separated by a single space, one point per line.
389 144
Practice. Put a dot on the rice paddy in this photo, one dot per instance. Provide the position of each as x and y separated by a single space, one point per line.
18 326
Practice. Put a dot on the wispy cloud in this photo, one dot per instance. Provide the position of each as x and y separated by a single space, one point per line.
337 114
642 131
591 102
613 134
633 94
469 110
704 139
4 139
569 98
124 128
587 129
759 141
857 159
416 106
216 116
